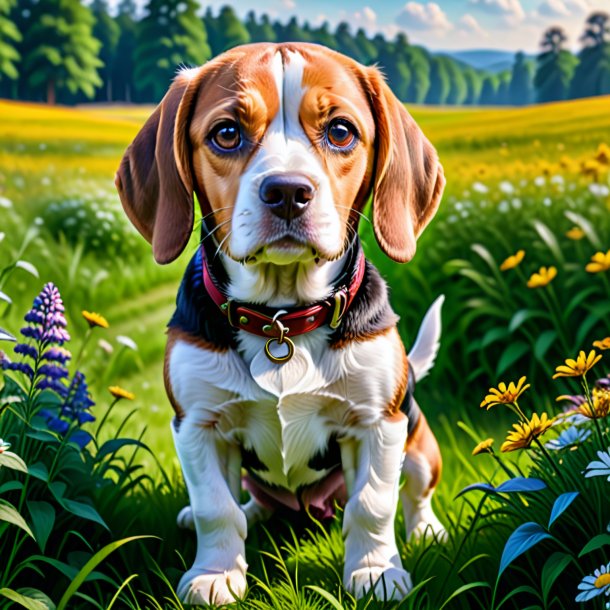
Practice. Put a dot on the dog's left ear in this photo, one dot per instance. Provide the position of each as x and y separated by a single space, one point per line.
408 179
154 179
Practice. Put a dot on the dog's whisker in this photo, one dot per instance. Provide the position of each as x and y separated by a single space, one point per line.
220 245
210 233
226 207
344 207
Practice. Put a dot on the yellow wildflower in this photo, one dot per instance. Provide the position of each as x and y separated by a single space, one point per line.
484 447
575 233
119 392
600 398
590 168
603 154
523 434
504 394
576 368
599 262
95 319
542 278
603 344
603 580
512 261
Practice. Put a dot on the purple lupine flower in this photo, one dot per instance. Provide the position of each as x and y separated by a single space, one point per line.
57 354
75 410
22 367
46 318
26 350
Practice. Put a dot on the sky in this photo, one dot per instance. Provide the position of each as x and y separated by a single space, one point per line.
442 24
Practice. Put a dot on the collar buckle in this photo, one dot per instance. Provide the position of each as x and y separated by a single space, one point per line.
340 306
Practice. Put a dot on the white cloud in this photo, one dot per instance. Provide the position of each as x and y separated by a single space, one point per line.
469 25
423 17
510 10
563 8
289 5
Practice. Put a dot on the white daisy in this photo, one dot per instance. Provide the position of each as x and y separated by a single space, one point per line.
599 468
594 584
479 187
539 180
507 187
127 342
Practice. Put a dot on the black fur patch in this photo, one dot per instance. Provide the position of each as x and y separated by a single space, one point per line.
328 458
409 407
250 460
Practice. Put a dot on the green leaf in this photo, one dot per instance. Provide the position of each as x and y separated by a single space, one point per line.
561 504
115 444
11 460
39 471
578 298
543 343
10 514
38 595
548 237
493 335
595 543
463 589
329 597
90 565
85 511
510 355
551 570
523 315
43 520
10 486
27 602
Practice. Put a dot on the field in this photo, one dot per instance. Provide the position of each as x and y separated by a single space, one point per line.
516 179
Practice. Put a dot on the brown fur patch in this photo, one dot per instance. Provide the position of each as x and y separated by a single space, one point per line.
403 381
422 441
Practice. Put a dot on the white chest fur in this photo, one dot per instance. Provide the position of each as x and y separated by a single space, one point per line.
286 413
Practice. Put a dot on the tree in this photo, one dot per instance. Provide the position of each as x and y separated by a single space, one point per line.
323 36
474 84
9 37
229 31
393 63
458 89
345 41
489 90
418 61
170 35
440 83
555 67
123 70
592 75
367 50
259 32
106 30
521 87
293 32
503 88
62 51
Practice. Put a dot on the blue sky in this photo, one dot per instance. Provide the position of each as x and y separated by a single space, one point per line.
441 24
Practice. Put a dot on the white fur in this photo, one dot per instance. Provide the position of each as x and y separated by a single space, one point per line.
428 341
285 148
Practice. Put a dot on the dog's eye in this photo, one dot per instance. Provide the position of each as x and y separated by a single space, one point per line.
226 135
341 133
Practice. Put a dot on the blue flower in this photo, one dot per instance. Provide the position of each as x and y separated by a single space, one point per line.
570 436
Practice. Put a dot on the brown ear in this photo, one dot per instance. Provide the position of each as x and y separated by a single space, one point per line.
154 179
408 180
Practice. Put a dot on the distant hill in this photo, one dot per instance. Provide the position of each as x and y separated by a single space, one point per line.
484 59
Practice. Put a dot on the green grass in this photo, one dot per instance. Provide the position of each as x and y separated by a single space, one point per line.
50 156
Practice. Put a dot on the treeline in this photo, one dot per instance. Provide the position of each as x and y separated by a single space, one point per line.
62 50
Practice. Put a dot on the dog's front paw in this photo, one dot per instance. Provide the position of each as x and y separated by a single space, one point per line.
203 588
388 583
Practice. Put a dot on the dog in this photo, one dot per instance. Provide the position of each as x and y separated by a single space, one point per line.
283 358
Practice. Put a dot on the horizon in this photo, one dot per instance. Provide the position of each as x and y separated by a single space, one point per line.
443 26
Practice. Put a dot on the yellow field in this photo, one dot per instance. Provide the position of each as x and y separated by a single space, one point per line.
473 143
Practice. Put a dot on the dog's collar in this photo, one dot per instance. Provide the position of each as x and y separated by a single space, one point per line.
280 324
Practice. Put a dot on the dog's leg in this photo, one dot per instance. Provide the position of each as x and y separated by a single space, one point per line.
422 470
218 574
371 555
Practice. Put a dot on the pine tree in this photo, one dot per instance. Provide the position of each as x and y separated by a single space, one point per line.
367 50
345 41
169 36
393 63
106 30
323 36
489 90
521 87
293 32
62 52
555 67
229 31
259 31
9 37
474 84
502 92
592 75
418 60
440 83
123 70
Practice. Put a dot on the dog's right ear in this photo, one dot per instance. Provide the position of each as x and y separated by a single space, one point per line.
155 180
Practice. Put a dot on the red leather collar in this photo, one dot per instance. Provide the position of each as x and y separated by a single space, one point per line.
296 320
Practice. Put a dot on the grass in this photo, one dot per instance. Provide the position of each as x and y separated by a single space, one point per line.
50 156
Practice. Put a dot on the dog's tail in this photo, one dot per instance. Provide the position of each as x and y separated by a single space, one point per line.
424 351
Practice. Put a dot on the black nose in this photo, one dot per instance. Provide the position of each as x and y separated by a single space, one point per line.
288 195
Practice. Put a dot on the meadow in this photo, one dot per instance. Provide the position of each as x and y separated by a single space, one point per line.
534 179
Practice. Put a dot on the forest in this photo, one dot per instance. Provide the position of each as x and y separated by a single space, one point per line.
63 51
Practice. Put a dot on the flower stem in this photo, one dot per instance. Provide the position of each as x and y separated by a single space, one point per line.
549 458
82 348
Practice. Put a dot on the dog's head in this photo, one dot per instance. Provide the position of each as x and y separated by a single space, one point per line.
283 145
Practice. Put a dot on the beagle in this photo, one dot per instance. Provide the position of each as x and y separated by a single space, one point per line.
283 359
